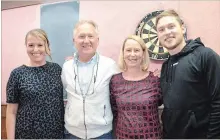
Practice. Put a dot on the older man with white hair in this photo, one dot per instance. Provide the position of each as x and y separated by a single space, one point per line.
86 80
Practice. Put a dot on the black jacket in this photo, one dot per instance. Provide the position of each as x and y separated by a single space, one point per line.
190 82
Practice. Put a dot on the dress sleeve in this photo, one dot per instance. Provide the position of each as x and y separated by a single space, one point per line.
159 91
12 91
113 99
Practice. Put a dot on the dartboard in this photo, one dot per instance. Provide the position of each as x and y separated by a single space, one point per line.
146 29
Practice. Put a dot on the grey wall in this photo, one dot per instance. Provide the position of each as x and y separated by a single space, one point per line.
58 20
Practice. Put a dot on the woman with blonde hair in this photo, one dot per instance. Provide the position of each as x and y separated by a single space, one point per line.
35 107
135 94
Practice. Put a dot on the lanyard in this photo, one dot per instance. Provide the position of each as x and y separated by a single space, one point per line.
92 80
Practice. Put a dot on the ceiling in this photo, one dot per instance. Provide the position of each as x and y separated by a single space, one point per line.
16 4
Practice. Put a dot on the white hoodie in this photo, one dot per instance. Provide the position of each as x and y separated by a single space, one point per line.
91 117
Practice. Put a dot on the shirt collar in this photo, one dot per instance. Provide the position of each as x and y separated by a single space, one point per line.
92 60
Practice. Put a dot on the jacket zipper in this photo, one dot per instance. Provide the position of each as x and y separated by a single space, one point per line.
171 75
84 114
104 115
169 71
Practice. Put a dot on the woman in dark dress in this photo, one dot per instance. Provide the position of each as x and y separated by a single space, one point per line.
135 94
35 107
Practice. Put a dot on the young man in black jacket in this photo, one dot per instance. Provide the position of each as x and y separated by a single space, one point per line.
190 82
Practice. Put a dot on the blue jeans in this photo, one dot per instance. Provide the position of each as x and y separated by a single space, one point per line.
108 135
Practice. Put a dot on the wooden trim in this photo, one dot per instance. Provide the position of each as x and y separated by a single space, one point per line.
3 121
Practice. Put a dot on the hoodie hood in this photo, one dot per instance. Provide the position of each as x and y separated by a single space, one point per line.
169 65
190 46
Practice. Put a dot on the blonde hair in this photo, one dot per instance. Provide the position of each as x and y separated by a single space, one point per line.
42 35
81 22
167 13
146 59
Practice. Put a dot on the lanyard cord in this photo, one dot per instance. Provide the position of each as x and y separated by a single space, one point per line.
95 76
89 82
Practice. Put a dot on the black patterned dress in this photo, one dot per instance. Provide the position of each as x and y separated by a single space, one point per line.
39 94
135 107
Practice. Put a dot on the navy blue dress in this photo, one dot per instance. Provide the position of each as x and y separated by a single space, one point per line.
39 93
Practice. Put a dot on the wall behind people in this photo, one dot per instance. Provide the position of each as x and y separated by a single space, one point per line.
15 24
58 20
116 20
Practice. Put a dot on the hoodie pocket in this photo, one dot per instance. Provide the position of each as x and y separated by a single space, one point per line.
193 120
104 115
178 123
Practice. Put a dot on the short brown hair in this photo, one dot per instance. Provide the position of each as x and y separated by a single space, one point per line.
171 13
146 60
